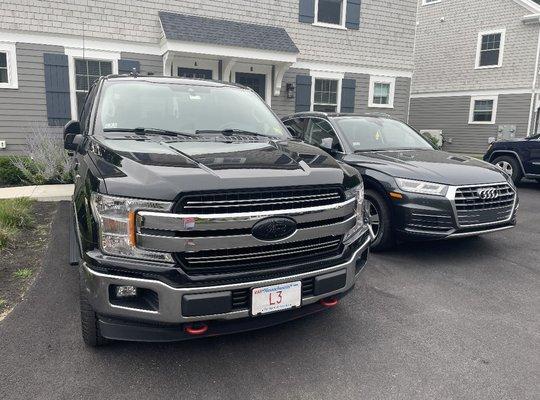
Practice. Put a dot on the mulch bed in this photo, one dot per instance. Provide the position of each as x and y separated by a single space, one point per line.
26 251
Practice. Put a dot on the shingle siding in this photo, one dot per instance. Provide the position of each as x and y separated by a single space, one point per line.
385 38
445 50
23 108
281 105
148 63
451 115
401 97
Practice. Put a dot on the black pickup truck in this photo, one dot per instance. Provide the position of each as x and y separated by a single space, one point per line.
197 214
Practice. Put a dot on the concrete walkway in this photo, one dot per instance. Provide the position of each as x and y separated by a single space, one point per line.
39 192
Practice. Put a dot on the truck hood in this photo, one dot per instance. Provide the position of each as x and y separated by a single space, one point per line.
429 165
157 168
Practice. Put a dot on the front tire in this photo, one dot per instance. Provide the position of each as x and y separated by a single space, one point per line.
89 323
510 166
381 222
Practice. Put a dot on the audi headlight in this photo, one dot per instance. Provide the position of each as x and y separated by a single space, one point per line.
409 185
117 225
357 193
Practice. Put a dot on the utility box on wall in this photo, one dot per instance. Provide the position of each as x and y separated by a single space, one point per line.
506 132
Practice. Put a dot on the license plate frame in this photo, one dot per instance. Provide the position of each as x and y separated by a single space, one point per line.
276 298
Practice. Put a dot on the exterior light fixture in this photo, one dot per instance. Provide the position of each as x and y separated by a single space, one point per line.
290 91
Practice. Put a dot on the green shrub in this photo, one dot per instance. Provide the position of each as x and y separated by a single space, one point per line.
9 173
6 234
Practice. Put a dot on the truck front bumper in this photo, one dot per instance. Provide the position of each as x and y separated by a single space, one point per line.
167 316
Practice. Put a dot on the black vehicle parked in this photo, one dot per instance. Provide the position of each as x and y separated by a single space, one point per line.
517 157
197 214
412 190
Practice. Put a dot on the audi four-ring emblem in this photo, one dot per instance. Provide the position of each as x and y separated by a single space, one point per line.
488 193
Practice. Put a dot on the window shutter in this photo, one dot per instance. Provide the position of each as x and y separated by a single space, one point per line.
303 93
353 14
306 11
348 89
57 88
126 66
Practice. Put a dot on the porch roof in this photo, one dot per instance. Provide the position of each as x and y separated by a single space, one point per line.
190 28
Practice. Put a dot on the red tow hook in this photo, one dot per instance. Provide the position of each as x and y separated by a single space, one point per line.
329 302
198 329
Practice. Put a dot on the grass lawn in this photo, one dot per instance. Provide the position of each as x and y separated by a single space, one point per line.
24 234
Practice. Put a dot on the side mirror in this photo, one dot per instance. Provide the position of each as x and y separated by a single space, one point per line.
72 135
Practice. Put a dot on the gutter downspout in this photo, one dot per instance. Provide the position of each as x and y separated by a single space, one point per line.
533 94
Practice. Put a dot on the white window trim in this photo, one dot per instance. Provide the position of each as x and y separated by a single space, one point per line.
96 55
493 112
373 79
326 24
11 62
336 76
502 31
428 3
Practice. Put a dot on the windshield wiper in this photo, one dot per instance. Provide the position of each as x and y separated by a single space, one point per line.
149 131
228 132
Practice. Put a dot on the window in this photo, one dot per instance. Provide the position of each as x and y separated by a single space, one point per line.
381 92
483 110
325 95
8 66
490 49
318 130
330 12
297 126
426 2
86 73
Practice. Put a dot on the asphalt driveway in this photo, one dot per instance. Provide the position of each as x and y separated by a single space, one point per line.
448 320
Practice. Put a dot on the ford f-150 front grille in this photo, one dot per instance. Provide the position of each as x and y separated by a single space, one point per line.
258 200
258 258
484 204
210 234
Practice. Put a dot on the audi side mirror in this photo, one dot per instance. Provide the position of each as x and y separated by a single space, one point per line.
72 135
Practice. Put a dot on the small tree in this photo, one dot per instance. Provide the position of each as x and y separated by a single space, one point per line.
46 160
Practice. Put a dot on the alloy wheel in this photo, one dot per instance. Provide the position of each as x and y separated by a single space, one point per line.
506 167
374 217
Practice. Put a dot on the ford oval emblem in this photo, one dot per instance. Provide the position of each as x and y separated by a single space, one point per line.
276 228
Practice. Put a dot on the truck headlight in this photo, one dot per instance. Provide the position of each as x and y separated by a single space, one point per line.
409 185
117 225
357 193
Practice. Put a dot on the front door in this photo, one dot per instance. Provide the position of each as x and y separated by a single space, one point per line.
195 73
257 82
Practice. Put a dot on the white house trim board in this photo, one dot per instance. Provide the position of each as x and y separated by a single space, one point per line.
373 79
529 5
336 76
427 2
87 54
493 113
491 92
193 48
11 62
344 68
502 31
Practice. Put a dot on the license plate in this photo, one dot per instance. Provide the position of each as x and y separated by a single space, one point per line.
276 298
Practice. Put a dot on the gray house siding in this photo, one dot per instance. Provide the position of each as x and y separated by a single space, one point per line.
446 43
152 64
25 108
281 105
451 115
401 97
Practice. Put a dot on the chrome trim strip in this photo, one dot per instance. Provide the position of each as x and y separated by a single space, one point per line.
465 234
451 195
174 244
257 202
241 220
170 298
